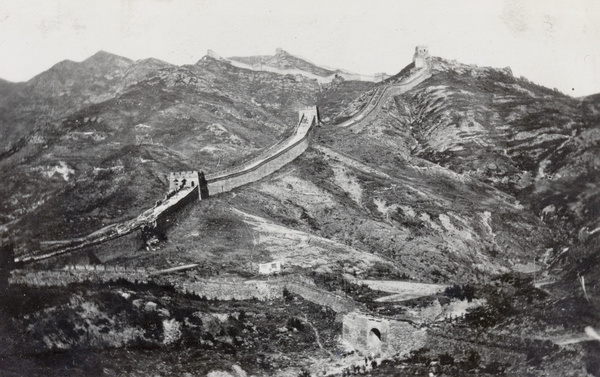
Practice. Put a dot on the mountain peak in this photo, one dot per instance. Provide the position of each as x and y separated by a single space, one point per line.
152 61
441 64
104 57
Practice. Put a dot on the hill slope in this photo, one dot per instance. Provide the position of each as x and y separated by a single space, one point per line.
471 177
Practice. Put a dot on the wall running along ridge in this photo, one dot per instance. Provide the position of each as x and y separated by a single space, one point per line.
261 167
295 71
147 218
385 92
223 289
267 163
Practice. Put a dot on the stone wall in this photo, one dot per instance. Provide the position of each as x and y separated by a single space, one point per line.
150 217
177 179
379 335
253 171
339 304
295 71
77 274
383 93
178 197
234 290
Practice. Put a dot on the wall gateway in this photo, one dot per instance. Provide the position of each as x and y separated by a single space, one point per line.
372 335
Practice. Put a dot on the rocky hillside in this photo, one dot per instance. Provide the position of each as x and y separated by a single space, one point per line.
462 170
472 177
121 136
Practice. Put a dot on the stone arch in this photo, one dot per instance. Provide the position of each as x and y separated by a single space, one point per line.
374 339
375 331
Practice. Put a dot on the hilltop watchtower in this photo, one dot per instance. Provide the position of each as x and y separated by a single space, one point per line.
421 56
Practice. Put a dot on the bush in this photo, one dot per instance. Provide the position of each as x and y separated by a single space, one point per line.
446 359
472 361
456 291
295 323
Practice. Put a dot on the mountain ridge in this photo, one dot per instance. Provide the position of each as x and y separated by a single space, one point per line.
469 178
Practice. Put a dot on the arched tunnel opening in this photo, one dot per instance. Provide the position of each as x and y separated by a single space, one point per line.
374 339
375 332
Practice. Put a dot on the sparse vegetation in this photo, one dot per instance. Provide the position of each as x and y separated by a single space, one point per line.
467 176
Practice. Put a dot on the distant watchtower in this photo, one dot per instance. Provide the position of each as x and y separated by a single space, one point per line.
421 56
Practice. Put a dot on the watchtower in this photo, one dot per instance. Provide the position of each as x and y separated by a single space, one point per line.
421 56
189 179
183 179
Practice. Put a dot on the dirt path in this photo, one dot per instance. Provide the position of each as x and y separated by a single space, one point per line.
589 334
402 290
297 248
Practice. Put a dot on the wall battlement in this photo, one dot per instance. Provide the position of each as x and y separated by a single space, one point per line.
269 162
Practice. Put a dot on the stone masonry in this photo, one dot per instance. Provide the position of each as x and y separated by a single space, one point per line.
379 335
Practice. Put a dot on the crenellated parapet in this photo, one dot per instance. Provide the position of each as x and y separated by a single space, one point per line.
271 159
184 184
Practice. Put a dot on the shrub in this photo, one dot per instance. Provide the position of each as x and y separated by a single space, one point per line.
456 291
295 323
446 359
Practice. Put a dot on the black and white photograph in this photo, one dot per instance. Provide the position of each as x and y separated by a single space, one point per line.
229 188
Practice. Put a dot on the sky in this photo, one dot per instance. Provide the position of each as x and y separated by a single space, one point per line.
552 43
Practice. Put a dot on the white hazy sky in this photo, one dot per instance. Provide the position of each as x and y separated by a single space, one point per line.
553 43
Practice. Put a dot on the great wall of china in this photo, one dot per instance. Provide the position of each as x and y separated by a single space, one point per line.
293 71
366 333
271 160
384 93
259 167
